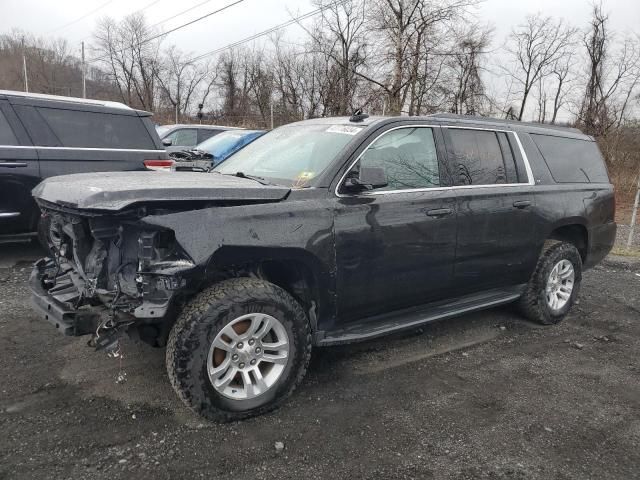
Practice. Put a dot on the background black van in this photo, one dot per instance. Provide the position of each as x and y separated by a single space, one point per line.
43 136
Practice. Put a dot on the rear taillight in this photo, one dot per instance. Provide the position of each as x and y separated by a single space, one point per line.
162 165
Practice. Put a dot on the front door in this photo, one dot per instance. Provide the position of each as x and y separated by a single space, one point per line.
395 245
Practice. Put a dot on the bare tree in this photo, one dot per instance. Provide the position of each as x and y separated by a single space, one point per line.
126 51
562 73
612 79
465 65
340 36
180 79
536 46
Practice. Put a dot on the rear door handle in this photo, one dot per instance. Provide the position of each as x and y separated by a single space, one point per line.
522 204
439 212
12 165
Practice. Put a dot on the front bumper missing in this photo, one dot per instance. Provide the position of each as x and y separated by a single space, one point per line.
71 322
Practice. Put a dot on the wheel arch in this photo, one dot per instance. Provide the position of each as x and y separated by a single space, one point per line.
574 231
297 271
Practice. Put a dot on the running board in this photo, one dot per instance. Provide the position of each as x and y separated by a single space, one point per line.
380 325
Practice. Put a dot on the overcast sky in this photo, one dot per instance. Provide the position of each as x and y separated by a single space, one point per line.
55 17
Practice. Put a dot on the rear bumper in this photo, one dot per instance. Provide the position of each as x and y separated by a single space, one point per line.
601 241
69 321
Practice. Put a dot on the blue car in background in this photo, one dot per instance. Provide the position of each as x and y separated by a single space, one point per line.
214 150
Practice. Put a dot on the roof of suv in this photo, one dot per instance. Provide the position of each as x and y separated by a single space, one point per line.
198 125
458 119
58 98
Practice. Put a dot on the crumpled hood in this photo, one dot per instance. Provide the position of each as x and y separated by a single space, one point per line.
117 190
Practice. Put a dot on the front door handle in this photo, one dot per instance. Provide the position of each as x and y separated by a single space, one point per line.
439 212
12 165
522 204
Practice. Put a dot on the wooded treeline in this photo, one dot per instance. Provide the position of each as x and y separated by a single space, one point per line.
410 57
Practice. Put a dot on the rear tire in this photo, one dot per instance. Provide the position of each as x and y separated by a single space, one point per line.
555 282
207 319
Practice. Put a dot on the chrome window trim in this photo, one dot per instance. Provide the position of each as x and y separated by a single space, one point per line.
525 159
33 147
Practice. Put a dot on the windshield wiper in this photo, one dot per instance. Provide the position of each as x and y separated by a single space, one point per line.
260 180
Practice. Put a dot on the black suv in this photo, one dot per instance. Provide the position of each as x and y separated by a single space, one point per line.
42 136
322 232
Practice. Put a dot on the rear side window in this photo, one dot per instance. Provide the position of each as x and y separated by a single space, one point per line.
477 157
97 130
7 137
571 160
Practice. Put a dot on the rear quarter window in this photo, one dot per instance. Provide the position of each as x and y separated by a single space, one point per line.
81 129
571 160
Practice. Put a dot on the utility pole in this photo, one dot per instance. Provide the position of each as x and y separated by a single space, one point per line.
24 68
84 74
634 214
272 114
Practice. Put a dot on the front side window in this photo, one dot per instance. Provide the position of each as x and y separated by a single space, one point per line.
408 157
184 137
477 157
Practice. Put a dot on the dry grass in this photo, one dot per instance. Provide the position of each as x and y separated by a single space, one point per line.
626 252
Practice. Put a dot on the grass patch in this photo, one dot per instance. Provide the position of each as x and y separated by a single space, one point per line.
626 252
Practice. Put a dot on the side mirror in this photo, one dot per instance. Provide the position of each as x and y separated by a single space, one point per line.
167 142
368 179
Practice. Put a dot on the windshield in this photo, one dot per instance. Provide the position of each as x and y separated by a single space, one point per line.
225 143
291 155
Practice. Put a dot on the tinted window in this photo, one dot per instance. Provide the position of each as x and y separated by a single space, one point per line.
408 156
477 157
184 137
206 133
572 160
7 137
97 130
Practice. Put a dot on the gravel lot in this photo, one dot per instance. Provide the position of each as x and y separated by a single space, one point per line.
484 396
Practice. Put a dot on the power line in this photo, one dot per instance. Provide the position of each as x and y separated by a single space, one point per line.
147 40
268 31
135 12
81 18
181 13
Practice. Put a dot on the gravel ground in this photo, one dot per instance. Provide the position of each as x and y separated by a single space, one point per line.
486 396
622 235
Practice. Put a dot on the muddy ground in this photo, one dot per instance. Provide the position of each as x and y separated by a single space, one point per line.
487 395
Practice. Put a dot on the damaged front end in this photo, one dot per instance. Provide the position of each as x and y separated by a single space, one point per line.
109 274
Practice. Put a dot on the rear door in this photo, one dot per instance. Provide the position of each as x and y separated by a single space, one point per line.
496 245
395 245
90 139
19 173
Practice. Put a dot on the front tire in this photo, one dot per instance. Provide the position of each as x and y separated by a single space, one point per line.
238 349
554 285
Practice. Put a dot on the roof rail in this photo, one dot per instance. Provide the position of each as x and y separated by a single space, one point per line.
502 121
58 98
